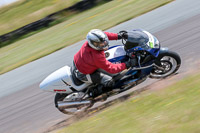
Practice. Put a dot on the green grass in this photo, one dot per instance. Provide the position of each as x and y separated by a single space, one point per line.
171 110
73 30
24 12
58 17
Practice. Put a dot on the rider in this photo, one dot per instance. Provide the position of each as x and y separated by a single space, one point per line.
90 58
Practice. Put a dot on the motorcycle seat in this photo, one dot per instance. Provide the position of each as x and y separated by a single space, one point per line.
75 80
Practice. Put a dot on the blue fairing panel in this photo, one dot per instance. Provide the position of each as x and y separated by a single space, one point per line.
114 46
153 51
118 59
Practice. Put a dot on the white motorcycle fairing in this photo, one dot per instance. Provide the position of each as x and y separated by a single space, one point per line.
61 81
115 52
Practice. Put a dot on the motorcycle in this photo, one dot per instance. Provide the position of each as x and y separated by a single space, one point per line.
153 61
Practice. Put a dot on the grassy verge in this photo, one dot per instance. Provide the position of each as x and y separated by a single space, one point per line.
72 30
24 12
174 109
58 17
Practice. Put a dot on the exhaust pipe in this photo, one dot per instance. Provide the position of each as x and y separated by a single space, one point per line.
65 105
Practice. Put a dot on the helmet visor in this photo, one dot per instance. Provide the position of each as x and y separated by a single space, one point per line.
101 45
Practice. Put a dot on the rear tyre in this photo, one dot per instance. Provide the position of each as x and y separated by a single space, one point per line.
62 97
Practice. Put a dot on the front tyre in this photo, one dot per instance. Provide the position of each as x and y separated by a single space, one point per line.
168 62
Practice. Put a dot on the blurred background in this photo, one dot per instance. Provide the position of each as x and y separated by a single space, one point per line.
36 38
6 2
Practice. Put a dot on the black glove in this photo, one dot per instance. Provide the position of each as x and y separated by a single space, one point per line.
122 35
131 62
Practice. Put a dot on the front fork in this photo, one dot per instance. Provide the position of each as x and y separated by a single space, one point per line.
157 60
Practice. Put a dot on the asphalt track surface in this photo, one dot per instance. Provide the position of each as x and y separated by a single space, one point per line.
25 108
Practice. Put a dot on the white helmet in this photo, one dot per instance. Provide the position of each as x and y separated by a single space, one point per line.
97 39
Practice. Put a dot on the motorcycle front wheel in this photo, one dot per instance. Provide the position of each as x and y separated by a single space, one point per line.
168 63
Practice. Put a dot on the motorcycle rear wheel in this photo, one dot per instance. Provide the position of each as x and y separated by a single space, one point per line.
63 97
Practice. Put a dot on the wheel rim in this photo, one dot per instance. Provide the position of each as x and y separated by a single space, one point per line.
169 64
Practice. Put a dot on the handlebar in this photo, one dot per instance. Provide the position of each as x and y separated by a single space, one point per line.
123 39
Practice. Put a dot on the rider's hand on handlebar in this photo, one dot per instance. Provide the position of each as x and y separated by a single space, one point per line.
122 35
131 62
